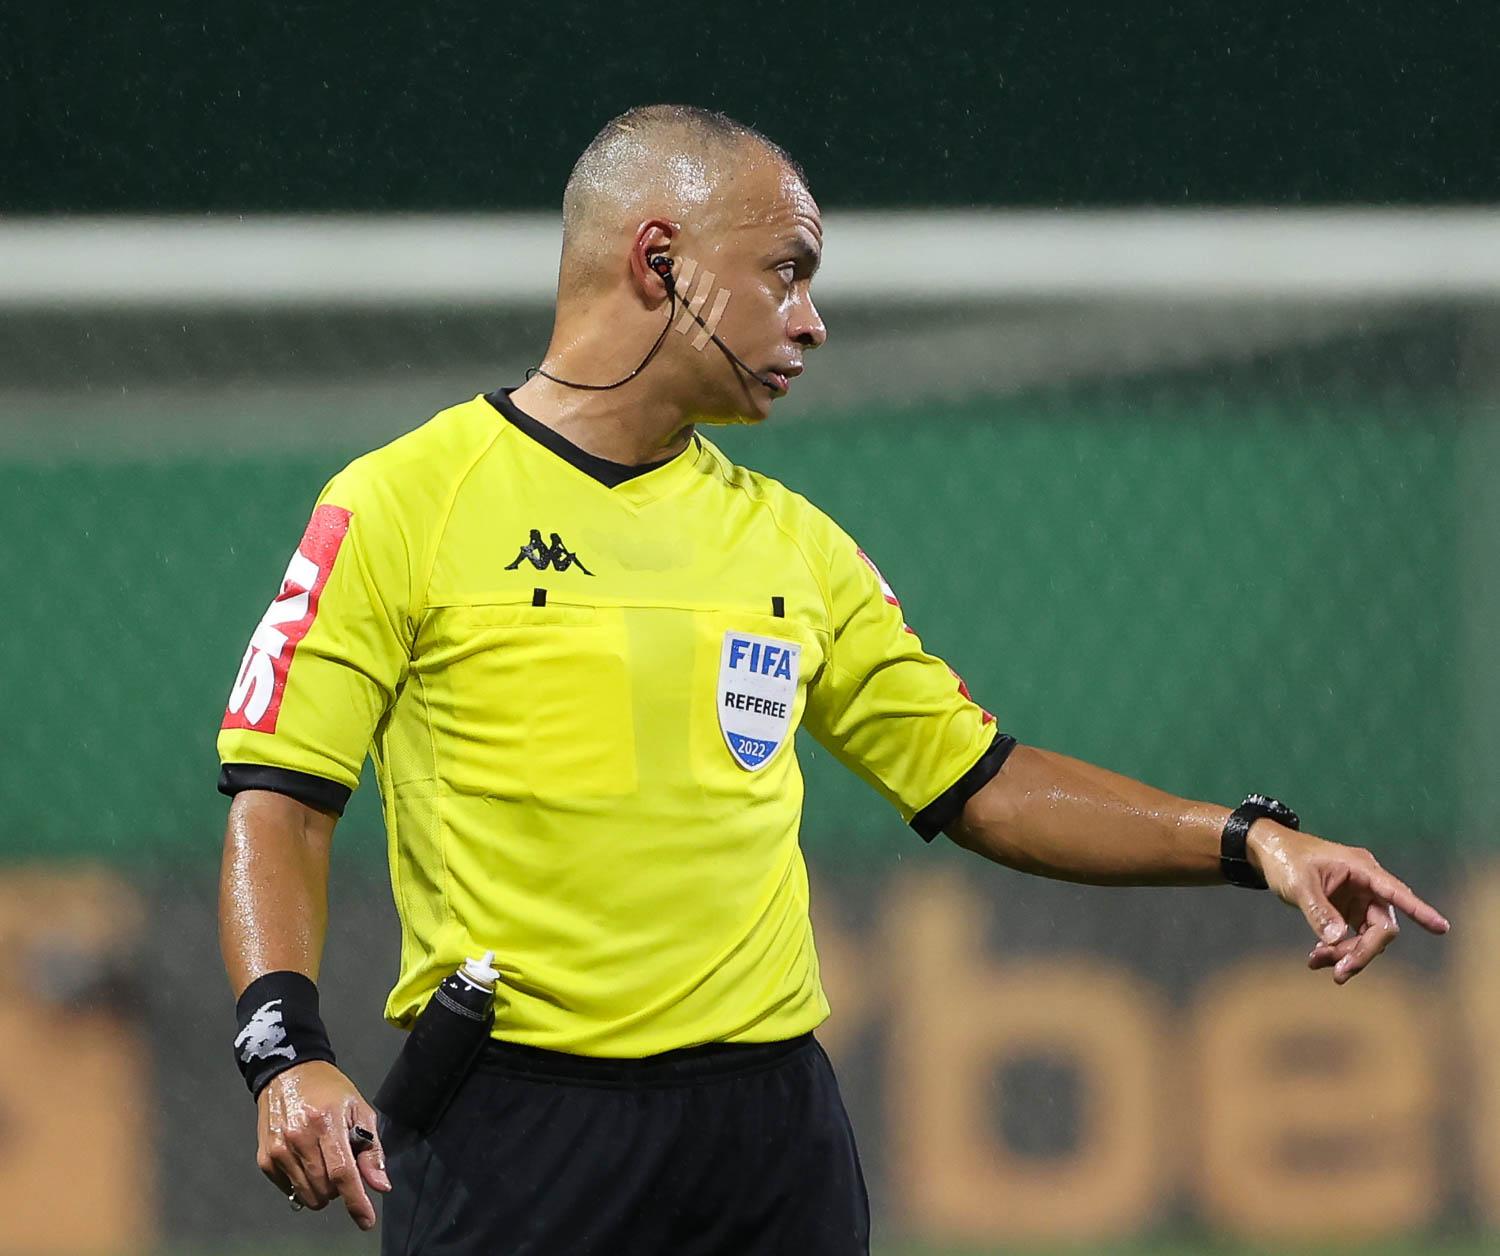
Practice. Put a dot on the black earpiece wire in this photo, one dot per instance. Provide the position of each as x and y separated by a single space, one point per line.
662 266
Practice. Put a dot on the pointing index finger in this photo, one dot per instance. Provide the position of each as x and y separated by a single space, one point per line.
344 1177
1399 894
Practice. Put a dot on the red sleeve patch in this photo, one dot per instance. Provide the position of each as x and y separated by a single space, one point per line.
885 587
255 700
890 596
963 688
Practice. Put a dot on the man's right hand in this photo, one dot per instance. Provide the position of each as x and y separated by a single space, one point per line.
306 1115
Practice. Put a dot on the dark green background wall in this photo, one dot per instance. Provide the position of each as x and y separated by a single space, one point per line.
1214 598
181 106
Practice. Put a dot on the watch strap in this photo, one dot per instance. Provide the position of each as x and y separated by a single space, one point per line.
1233 858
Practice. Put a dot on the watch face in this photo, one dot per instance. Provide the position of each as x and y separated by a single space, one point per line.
1275 809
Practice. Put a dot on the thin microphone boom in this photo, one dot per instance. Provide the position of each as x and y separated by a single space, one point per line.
662 266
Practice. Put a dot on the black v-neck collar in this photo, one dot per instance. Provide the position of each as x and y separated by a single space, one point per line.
606 472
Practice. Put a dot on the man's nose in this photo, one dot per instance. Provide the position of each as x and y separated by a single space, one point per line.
809 330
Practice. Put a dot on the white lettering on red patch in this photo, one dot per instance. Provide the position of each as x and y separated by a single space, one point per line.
255 700
885 588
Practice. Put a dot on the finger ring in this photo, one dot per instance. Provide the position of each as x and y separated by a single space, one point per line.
297 1204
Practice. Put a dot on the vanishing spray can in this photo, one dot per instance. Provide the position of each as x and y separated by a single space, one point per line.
441 1049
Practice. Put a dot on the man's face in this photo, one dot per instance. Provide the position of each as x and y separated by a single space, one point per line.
763 246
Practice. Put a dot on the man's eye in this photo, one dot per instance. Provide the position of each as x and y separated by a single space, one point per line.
787 270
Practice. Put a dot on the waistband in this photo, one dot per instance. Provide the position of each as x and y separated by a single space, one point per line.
685 1066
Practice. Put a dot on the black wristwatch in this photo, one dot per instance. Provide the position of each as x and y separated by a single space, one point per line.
1237 869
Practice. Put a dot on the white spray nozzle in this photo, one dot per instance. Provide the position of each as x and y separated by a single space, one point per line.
482 972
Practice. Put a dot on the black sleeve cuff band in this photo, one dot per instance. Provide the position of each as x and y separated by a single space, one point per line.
279 1028
315 791
945 808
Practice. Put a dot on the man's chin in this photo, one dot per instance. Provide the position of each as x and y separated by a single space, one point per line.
740 414
739 420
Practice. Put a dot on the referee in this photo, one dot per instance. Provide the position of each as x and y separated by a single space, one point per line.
577 641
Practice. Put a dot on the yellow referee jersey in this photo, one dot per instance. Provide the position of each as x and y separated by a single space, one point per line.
580 683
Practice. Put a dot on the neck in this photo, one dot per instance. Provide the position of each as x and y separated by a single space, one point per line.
626 424
640 421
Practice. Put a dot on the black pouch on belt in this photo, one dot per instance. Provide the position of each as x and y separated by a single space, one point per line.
441 1048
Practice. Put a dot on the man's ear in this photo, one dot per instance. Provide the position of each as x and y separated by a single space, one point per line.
653 238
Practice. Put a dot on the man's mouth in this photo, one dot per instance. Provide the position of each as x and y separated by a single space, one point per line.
783 378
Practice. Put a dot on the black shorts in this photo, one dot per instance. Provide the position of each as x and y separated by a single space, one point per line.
725 1150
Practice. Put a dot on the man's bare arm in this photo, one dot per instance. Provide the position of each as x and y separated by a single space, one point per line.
273 917
1058 817
273 887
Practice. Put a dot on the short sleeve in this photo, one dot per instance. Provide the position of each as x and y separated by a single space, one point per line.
328 656
896 715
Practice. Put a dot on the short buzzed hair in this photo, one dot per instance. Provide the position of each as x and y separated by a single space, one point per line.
673 155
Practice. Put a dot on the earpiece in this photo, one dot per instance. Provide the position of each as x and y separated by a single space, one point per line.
662 265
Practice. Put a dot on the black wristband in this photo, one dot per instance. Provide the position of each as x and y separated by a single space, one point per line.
1233 860
279 1027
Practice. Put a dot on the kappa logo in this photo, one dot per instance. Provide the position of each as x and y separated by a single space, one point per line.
557 555
264 1035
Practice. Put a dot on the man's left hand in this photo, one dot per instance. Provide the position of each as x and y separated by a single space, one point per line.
1347 897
